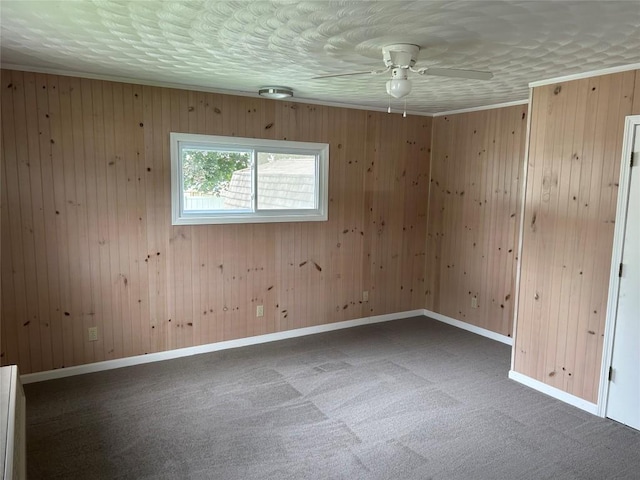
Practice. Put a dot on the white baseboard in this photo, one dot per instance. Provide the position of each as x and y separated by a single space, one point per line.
13 446
299 332
211 347
554 392
467 326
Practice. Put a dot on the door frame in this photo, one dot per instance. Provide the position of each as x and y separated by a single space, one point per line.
616 258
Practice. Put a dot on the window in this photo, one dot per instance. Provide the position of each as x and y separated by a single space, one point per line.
244 180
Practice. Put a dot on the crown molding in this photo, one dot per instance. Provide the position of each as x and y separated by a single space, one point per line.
483 107
197 88
579 76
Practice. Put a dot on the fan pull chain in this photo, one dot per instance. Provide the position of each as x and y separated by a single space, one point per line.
404 114
389 107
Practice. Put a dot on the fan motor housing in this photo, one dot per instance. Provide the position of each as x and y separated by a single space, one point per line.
399 73
403 55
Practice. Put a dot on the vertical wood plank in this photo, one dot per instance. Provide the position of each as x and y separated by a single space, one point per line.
14 307
83 317
635 109
115 278
140 180
93 316
39 325
104 293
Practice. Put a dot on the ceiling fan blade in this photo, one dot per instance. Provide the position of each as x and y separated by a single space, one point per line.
370 72
456 73
340 75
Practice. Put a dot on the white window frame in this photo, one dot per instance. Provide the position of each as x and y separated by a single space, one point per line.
204 217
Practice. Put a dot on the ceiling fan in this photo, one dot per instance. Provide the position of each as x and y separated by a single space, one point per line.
399 59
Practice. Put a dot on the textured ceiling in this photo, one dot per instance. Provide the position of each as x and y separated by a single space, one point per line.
241 46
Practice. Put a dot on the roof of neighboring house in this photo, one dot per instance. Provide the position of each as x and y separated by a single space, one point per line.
286 183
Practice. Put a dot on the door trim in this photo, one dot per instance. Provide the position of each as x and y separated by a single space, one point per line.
618 242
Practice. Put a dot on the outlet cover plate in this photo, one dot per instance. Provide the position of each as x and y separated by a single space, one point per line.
93 334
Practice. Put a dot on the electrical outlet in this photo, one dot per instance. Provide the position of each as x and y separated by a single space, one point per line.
474 302
260 311
93 334
365 296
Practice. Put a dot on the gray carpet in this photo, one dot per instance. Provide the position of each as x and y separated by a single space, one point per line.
409 399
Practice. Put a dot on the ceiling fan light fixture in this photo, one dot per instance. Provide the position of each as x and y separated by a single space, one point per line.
398 87
275 93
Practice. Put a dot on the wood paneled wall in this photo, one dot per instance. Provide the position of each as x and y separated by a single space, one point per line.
87 238
476 177
570 209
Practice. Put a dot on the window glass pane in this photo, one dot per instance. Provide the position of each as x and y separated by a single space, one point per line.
286 181
216 180
220 180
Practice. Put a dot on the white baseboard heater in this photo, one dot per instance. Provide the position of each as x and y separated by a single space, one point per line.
13 445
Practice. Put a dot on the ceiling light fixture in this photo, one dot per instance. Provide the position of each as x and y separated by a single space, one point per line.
399 86
275 93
